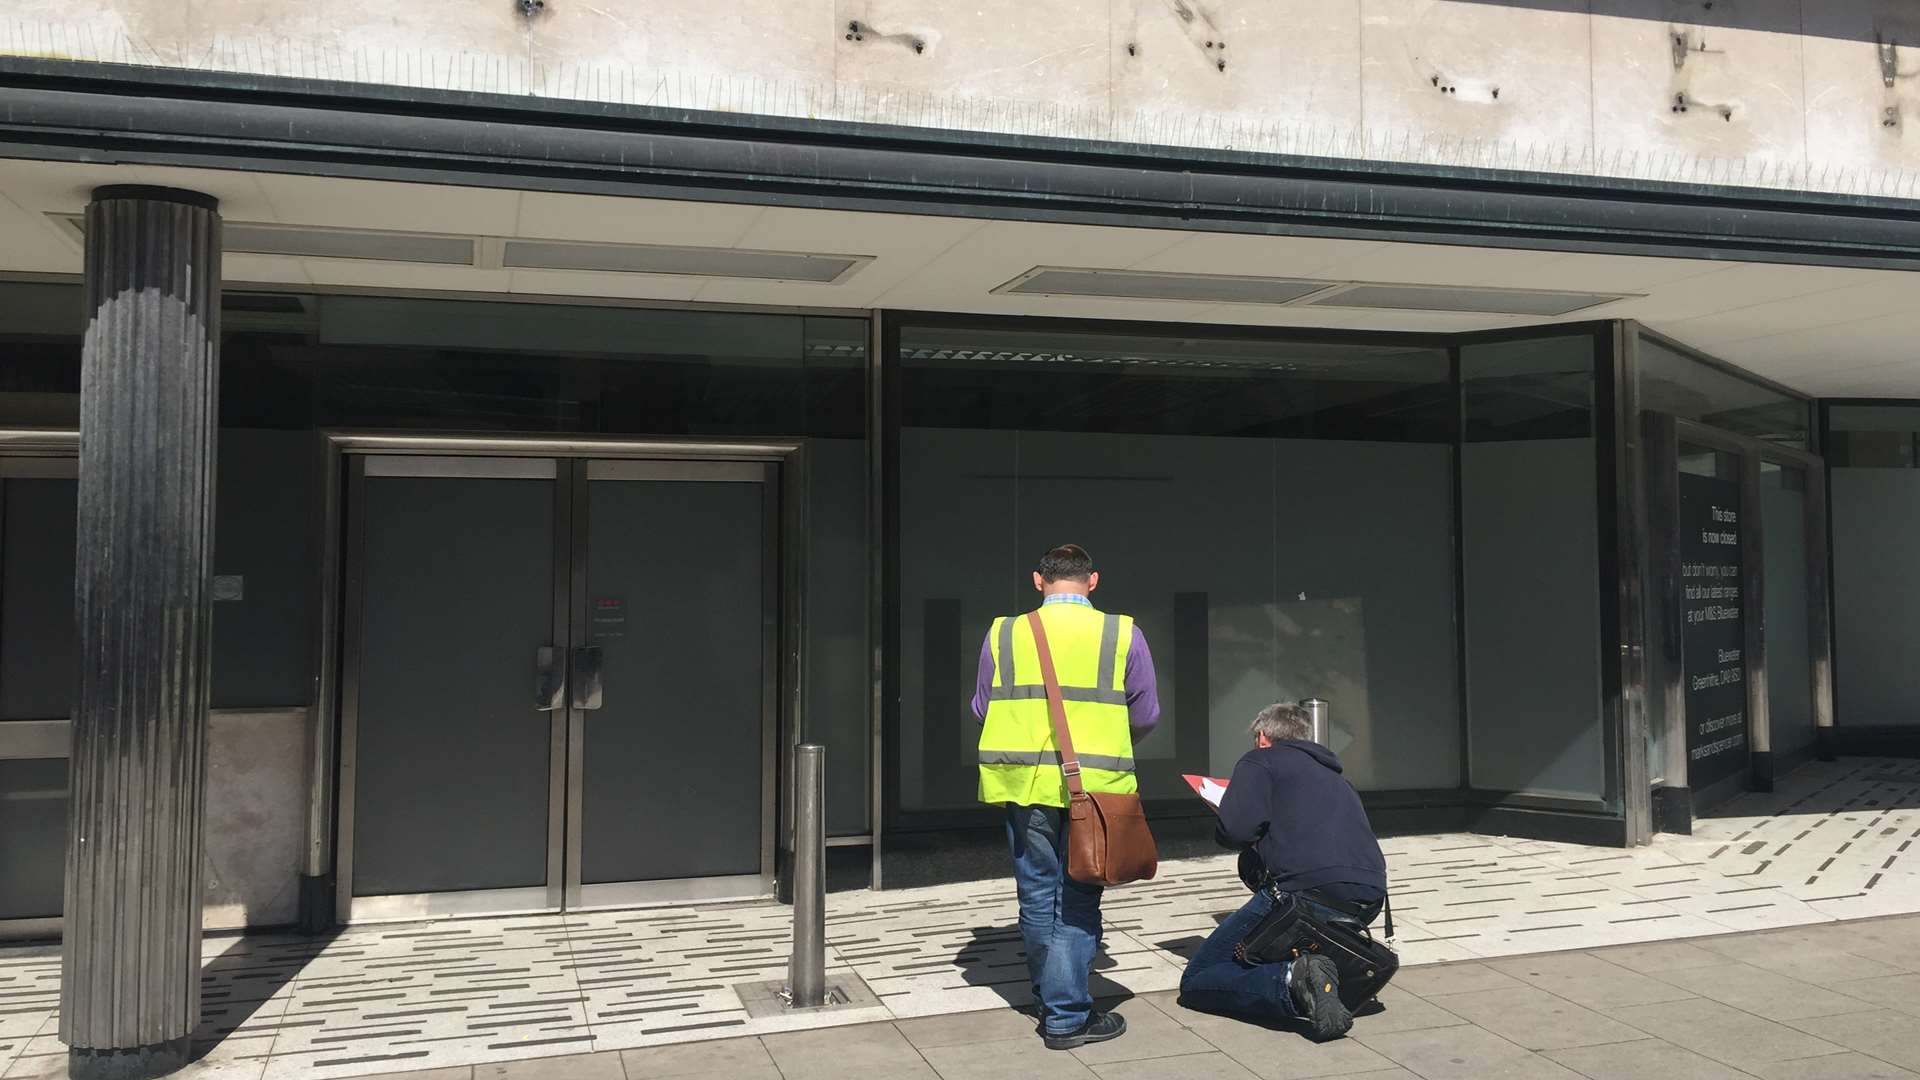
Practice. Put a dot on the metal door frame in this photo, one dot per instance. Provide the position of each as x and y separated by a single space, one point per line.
36 454
331 752
1666 675
629 893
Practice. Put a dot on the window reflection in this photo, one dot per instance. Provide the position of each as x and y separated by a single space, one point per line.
1276 514
1783 517
1678 383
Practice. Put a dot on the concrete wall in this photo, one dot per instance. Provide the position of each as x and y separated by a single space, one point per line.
1818 94
256 816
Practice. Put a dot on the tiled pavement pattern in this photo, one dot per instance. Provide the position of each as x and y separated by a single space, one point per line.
1830 845
1824 1002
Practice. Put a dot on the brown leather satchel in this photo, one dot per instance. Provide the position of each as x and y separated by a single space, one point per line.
1108 842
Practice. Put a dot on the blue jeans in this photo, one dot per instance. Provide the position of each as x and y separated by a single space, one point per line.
1215 982
1059 917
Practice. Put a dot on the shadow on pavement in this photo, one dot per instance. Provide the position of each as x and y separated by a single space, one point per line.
241 981
996 958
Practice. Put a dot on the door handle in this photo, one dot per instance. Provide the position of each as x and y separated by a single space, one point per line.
586 677
549 682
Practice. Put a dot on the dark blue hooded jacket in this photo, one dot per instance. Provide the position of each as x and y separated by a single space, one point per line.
1290 802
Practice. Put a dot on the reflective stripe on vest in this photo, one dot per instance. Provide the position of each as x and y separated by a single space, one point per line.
1052 757
1018 760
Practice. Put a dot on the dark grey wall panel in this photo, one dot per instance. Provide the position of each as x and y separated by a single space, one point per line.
1876 596
1529 533
36 598
837 679
263 642
33 830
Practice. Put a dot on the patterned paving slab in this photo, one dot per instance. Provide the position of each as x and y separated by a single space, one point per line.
1833 843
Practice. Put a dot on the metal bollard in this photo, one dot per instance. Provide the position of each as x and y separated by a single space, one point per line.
807 971
1317 710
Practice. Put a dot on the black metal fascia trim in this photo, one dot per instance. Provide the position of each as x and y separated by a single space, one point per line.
112 113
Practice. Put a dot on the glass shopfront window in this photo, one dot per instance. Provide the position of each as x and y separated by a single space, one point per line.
1734 598
1276 514
1873 448
293 363
1530 543
40 328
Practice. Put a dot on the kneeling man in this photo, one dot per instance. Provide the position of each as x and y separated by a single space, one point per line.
1289 808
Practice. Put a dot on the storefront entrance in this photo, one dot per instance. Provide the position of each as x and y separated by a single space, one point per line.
1738 677
559 683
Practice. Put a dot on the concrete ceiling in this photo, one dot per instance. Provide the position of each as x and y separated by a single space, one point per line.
1823 330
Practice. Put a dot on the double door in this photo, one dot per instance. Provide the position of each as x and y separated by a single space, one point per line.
558 685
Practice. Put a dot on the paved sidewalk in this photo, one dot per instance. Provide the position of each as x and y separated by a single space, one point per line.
1834 843
1829 1002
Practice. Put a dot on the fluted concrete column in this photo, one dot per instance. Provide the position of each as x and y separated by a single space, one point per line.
149 409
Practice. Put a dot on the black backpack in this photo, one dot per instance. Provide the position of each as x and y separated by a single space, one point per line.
1291 931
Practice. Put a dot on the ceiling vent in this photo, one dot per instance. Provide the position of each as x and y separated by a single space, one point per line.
1146 285
349 244
300 242
1461 298
684 261
487 252
1300 292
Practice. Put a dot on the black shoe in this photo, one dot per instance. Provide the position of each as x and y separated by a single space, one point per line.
1314 984
1099 1027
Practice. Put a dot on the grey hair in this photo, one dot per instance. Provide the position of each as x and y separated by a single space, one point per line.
1281 721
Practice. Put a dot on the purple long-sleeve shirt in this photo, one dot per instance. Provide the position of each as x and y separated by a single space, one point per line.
1143 691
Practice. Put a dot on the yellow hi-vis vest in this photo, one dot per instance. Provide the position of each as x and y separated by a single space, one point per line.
1019 762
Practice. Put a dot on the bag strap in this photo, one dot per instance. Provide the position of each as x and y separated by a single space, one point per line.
1056 707
1386 906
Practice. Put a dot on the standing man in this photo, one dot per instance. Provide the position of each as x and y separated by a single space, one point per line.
1106 677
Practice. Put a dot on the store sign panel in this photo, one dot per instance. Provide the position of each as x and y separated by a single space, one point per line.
1715 633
